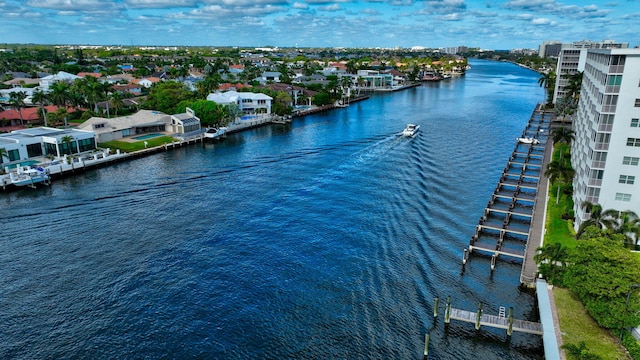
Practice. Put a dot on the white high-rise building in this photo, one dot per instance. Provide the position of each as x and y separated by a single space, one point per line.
606 150
571 59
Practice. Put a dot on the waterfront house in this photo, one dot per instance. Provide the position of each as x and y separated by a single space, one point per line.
370 80
144 121
249 103
185 124
24 144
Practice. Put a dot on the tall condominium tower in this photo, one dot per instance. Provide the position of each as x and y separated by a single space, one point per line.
606 151
572 58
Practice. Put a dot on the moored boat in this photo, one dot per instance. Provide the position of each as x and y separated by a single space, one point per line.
410 130
214 133
26 176
528 140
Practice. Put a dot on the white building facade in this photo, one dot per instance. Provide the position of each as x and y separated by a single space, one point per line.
572 59
606 151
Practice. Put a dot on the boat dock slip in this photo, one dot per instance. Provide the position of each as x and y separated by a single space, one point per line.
509 222
479 318
497 321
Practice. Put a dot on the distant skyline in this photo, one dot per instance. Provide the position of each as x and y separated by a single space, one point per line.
319 23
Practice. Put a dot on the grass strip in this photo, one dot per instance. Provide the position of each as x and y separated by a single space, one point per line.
576 325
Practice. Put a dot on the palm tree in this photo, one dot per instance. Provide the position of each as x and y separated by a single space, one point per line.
580 352
548 81
628 224
209 84
3 154
41 99
563 134
559 170
59 94
602 219
116 101
16 99
550 257
67 140
572 90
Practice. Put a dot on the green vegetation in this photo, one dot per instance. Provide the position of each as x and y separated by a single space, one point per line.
138 145
577 326
597 271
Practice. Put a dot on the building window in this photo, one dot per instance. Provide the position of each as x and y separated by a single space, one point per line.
627 179
628 160
623 197
34 150
633 142
614 80
634 122
637 104
14 155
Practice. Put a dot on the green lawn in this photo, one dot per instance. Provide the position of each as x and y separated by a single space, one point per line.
576 325
558 229
138 145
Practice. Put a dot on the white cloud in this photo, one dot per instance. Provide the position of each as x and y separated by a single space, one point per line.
297 5
159 4
332 7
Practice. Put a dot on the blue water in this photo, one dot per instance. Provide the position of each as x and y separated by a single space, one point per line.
325 239
147 136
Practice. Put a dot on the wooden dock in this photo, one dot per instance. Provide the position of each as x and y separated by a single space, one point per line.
511 213
497 321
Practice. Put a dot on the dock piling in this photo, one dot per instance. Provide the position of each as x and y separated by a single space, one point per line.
510 329
447 311
478 316
426 347
465 255
435 307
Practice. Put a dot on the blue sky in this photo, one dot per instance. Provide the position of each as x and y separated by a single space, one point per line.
319 23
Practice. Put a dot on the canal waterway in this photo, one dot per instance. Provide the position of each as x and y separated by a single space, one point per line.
327 238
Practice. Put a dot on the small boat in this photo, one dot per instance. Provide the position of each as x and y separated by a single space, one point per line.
528 140
214 133
410 130
27 176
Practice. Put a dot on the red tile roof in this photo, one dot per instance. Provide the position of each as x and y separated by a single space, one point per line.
28 114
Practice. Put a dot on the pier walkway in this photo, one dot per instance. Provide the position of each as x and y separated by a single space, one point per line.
512 223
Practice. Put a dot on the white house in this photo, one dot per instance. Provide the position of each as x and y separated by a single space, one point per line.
249 103
186 123
47 81
29 143
144 121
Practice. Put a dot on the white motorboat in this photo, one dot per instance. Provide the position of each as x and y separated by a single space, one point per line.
528 140
27 176
214 133
410 130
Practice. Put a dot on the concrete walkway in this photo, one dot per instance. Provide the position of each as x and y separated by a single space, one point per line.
536 234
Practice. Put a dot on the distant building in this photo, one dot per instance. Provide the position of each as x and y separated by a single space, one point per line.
549 48
606 151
